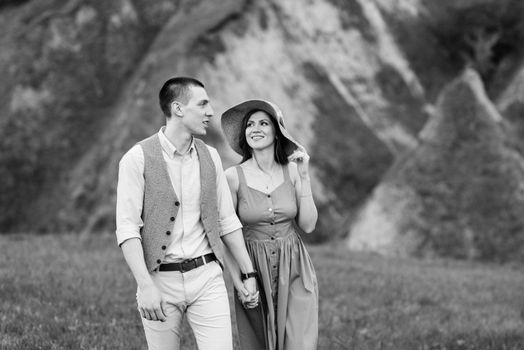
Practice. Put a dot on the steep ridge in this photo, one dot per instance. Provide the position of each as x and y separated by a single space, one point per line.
510 103
458 194
136 114
63 65
331 66
326 67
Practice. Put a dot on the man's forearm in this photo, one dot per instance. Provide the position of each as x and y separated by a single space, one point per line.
134 255
236 245
233 268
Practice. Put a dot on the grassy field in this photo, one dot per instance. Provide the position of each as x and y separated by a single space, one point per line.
66 292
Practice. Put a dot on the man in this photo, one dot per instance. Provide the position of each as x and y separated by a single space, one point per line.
173 211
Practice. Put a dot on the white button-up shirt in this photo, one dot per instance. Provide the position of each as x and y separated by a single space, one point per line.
188 238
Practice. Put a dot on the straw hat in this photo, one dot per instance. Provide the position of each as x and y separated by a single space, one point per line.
231 121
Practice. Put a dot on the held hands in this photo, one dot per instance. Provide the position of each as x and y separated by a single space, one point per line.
301 157
150 304
248 293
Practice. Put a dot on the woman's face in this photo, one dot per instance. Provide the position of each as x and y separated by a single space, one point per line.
260 132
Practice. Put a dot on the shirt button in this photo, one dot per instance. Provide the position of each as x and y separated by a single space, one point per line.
177 203
172 218
268 196
272 238
168 233
272 223
270 209
164 247
158 261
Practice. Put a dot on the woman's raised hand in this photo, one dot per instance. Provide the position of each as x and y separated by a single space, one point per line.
301 157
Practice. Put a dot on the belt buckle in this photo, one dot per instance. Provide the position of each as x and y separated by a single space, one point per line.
188 265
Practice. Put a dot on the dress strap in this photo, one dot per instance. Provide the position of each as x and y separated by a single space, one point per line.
286 172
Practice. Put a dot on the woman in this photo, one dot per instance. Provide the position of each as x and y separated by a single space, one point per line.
271 192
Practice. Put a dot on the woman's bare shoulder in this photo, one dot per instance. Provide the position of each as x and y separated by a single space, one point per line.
232 177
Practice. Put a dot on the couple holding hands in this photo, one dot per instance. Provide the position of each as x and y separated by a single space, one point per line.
181 219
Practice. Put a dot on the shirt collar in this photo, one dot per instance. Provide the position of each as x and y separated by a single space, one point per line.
169 148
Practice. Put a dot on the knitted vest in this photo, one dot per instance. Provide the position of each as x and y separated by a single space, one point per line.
161 203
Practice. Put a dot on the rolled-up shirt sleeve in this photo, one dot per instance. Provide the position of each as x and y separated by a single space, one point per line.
130 195
228 218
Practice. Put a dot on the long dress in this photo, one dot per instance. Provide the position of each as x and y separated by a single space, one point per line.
287 315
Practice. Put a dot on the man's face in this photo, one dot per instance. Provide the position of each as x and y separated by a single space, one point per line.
197 111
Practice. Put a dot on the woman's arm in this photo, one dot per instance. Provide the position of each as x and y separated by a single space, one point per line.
299 172
230 260
233 183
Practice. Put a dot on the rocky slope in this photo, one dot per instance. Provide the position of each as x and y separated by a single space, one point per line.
356 80
458 194
96 96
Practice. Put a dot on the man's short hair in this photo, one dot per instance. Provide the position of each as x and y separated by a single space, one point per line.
176 89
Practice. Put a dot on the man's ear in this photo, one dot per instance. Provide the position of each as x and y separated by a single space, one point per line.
176 109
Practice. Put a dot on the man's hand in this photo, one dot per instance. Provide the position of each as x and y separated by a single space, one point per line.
249 294
251 285
150 304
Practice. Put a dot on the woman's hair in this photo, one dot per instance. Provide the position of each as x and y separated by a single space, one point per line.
280 141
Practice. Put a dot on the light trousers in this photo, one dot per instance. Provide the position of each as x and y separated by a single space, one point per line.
201 295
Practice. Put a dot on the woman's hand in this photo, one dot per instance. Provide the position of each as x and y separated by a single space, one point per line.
301 157
248 299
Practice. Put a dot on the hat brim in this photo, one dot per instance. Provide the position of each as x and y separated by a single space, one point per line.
231 122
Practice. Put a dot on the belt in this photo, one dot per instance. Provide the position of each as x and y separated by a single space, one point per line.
188 265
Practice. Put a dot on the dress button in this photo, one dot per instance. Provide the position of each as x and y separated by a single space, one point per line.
172 218
273 253
168 233
272 238
164 247
177 203
268 196
158 261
